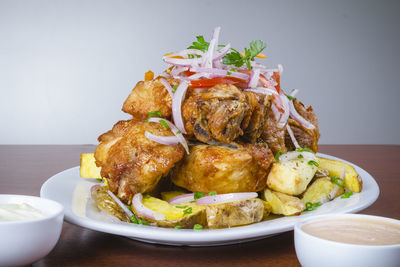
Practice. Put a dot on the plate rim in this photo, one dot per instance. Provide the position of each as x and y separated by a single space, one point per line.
206 237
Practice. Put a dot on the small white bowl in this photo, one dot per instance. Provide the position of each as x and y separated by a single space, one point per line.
25 242
314 251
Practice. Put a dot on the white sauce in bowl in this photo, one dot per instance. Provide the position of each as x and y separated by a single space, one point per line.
355 231
18 212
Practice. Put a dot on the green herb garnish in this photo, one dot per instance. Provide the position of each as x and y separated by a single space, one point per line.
277 156
197 227
146 196
187 211
290 97
178 227
174 88
154 113
100 180
235 58
201 44
347 194
190 56
338 181
178 132
163 123
212 193
133 219
233 70
312 162
198 195
300 156
312 206
228 72
304 149
181 207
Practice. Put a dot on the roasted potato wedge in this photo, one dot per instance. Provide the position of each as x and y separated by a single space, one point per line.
88 168
235 213
291 177
185 215
352 181
283 204
322 190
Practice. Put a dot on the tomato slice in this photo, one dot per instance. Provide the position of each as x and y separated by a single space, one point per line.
277 78
214 81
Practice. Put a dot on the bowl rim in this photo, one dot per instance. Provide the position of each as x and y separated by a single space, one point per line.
298 230
53 214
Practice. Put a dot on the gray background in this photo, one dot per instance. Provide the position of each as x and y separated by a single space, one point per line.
67 66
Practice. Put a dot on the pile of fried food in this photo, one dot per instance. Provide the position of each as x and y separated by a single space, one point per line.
214 142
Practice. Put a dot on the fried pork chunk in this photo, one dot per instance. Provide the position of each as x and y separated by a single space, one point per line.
305 137
130 161
149 96
215 113
224 169
272 134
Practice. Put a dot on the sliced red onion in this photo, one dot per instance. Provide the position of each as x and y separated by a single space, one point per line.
198 76
144 211
343 172
184 62
286 111
165 75
222 52
217 73
178 70
291 134
261 90
175 130
177 100
294 92
222 198
122 205
295 155
295 115
207 59
186 52
167 86
165 140
182 199
255 76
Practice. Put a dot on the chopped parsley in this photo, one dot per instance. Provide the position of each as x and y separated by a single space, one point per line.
174 88
198 195
197 227
181 207
300 156
237 59
100 180
187 211
178 227
154 113
178 132
304 149
201 44
290 97
277 156
347 194
212 193
146 196
312 162
133 219
312 206
338 181
163 123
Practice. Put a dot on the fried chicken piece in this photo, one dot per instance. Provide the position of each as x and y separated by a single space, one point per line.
149 96
215 113
272 134
254 122
130 161
305 137
224 169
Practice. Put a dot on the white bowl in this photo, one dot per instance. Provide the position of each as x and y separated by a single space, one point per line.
25 242
314 251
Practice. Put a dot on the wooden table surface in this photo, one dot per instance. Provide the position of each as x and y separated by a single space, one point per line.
24 168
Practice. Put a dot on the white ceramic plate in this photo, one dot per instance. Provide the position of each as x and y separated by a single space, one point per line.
72 192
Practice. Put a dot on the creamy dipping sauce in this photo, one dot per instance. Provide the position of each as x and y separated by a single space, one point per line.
355 231
18 212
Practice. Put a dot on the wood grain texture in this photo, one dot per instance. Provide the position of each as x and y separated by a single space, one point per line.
24 168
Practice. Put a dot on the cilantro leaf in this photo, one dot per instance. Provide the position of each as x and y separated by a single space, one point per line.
201 44
233 58
237 59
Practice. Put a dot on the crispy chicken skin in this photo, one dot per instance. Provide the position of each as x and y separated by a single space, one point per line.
215 113
130 161
149 96
223 169
305 137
